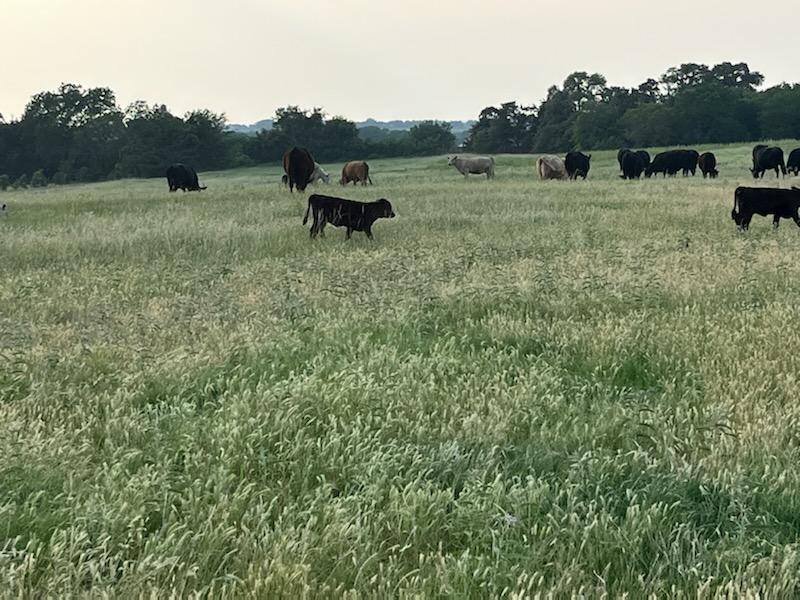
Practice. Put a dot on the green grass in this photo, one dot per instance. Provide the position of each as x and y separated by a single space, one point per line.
519 388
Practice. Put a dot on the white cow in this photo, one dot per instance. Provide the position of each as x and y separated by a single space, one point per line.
475 165
319 174
551 167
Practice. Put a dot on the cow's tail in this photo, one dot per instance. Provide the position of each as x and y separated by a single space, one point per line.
308 210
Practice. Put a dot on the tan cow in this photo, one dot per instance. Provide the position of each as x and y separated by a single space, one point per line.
355 171
475 165
551 167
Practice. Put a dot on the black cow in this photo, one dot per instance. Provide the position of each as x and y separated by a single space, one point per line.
577 164
355 216
708 165
182 177
672 161
645 156
766 159
632 165
793 164
298 164
780 203
620 156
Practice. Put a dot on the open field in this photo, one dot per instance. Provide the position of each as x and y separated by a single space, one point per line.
519 388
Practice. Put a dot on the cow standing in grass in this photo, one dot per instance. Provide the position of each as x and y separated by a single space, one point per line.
339 212
780 203
577 164
473 165
183 177
632 165
298 164
767 159
708 165
793 164
355 171
551 167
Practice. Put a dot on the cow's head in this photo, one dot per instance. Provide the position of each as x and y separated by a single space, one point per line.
325 177
714 174
452 160
385 209
648 172
755 173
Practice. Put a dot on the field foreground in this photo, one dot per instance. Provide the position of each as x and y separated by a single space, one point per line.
519 388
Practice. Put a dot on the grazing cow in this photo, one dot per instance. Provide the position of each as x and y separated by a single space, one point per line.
355 216
642 154
708 165
621 155
577 164
632 165
181 177
319 174
780 203
298 164
793 164
551 167
473 165
766 159
355 171
672 161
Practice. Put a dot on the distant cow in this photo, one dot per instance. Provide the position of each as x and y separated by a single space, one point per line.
319 174
298 164
473 165
355 171
793 164
355 216
632 165
621 155
708 165
3 210
551 167
577 164
182 177
673 161
642 154
780 203
766 159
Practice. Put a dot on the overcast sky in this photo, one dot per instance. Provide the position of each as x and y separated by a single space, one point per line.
407 59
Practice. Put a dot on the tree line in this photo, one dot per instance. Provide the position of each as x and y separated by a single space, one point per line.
78 134
689 104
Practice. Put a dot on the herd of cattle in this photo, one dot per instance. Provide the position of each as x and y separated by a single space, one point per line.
301 170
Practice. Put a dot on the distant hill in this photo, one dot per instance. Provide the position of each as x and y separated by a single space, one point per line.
459 127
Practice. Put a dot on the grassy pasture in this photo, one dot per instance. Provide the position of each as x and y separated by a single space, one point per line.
519 388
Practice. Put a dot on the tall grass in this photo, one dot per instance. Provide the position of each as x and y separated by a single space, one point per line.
519 389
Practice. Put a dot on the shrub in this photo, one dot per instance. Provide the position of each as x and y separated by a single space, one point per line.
21 182
60 178
38 179
83 175
5 182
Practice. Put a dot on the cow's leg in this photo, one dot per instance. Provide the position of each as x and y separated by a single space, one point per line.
368 231
348 234
776 221
796 219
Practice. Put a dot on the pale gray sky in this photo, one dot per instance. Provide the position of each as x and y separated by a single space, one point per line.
405 59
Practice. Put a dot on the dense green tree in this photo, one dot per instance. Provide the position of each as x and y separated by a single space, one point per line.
431 137
778 110
509 128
